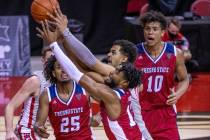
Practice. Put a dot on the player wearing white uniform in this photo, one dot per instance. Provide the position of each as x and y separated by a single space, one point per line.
27 94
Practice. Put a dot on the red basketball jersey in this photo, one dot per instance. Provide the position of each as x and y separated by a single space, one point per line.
124 127
71 119
158 76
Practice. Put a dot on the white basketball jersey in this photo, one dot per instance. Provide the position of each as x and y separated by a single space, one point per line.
30 107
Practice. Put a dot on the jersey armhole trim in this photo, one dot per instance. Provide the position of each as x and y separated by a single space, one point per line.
118 94
174 50
48 94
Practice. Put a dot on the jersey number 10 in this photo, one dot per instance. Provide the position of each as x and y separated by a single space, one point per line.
158 81
70 124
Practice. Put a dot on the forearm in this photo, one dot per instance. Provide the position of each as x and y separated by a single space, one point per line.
9 114
80 65
79 49
90 86
65 62
182 87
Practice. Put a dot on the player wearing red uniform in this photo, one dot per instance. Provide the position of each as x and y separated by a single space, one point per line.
124 127
121 51
124 77
159 63
66 104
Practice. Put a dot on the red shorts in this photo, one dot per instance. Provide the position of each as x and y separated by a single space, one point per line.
161 123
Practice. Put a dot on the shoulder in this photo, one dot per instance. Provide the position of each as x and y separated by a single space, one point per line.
179 56
139 46
33 79
32 82
44 96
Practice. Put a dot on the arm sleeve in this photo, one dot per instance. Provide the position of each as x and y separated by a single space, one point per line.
66 63
135 106
79 49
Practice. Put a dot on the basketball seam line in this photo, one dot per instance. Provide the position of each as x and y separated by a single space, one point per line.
42 6
51 4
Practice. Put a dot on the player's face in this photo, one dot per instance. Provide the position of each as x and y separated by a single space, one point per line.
115 78
60 74
173 29
153 33
115 57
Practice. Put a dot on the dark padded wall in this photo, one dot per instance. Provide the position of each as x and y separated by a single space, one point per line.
103 20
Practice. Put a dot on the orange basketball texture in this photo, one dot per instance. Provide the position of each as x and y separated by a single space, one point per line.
40 8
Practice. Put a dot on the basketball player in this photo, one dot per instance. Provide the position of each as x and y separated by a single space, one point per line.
116 116
67 105
121 51
168 95
159 62
27 94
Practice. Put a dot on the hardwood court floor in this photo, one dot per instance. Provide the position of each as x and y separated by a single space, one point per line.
191 127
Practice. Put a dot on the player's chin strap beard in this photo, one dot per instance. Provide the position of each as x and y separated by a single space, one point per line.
67 90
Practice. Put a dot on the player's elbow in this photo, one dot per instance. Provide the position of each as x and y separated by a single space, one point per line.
114 114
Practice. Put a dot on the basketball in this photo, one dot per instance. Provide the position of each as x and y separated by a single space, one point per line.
40 8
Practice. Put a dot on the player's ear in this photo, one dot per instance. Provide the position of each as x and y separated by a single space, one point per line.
125 83
162 32
124 59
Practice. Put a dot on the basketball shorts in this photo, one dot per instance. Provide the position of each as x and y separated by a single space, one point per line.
161 123
24 133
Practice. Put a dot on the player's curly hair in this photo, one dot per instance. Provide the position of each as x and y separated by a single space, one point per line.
153 16
127 48
132 75
48 69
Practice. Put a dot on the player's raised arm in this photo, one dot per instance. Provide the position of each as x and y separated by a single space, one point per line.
77 47
99 91
96 90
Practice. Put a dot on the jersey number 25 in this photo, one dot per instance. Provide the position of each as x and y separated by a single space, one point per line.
70 124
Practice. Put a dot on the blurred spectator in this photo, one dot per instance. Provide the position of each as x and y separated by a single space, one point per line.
167 7
173 35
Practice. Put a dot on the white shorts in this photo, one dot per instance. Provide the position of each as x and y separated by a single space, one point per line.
25 133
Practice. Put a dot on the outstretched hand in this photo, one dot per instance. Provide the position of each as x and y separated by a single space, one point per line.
41 131
172 98
46 34
59 19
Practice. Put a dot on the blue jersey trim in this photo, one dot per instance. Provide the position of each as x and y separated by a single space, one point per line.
121 92
140 48
78 89
169 48
52 92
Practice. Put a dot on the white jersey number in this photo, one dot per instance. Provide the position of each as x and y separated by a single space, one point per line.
156 87
74 124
